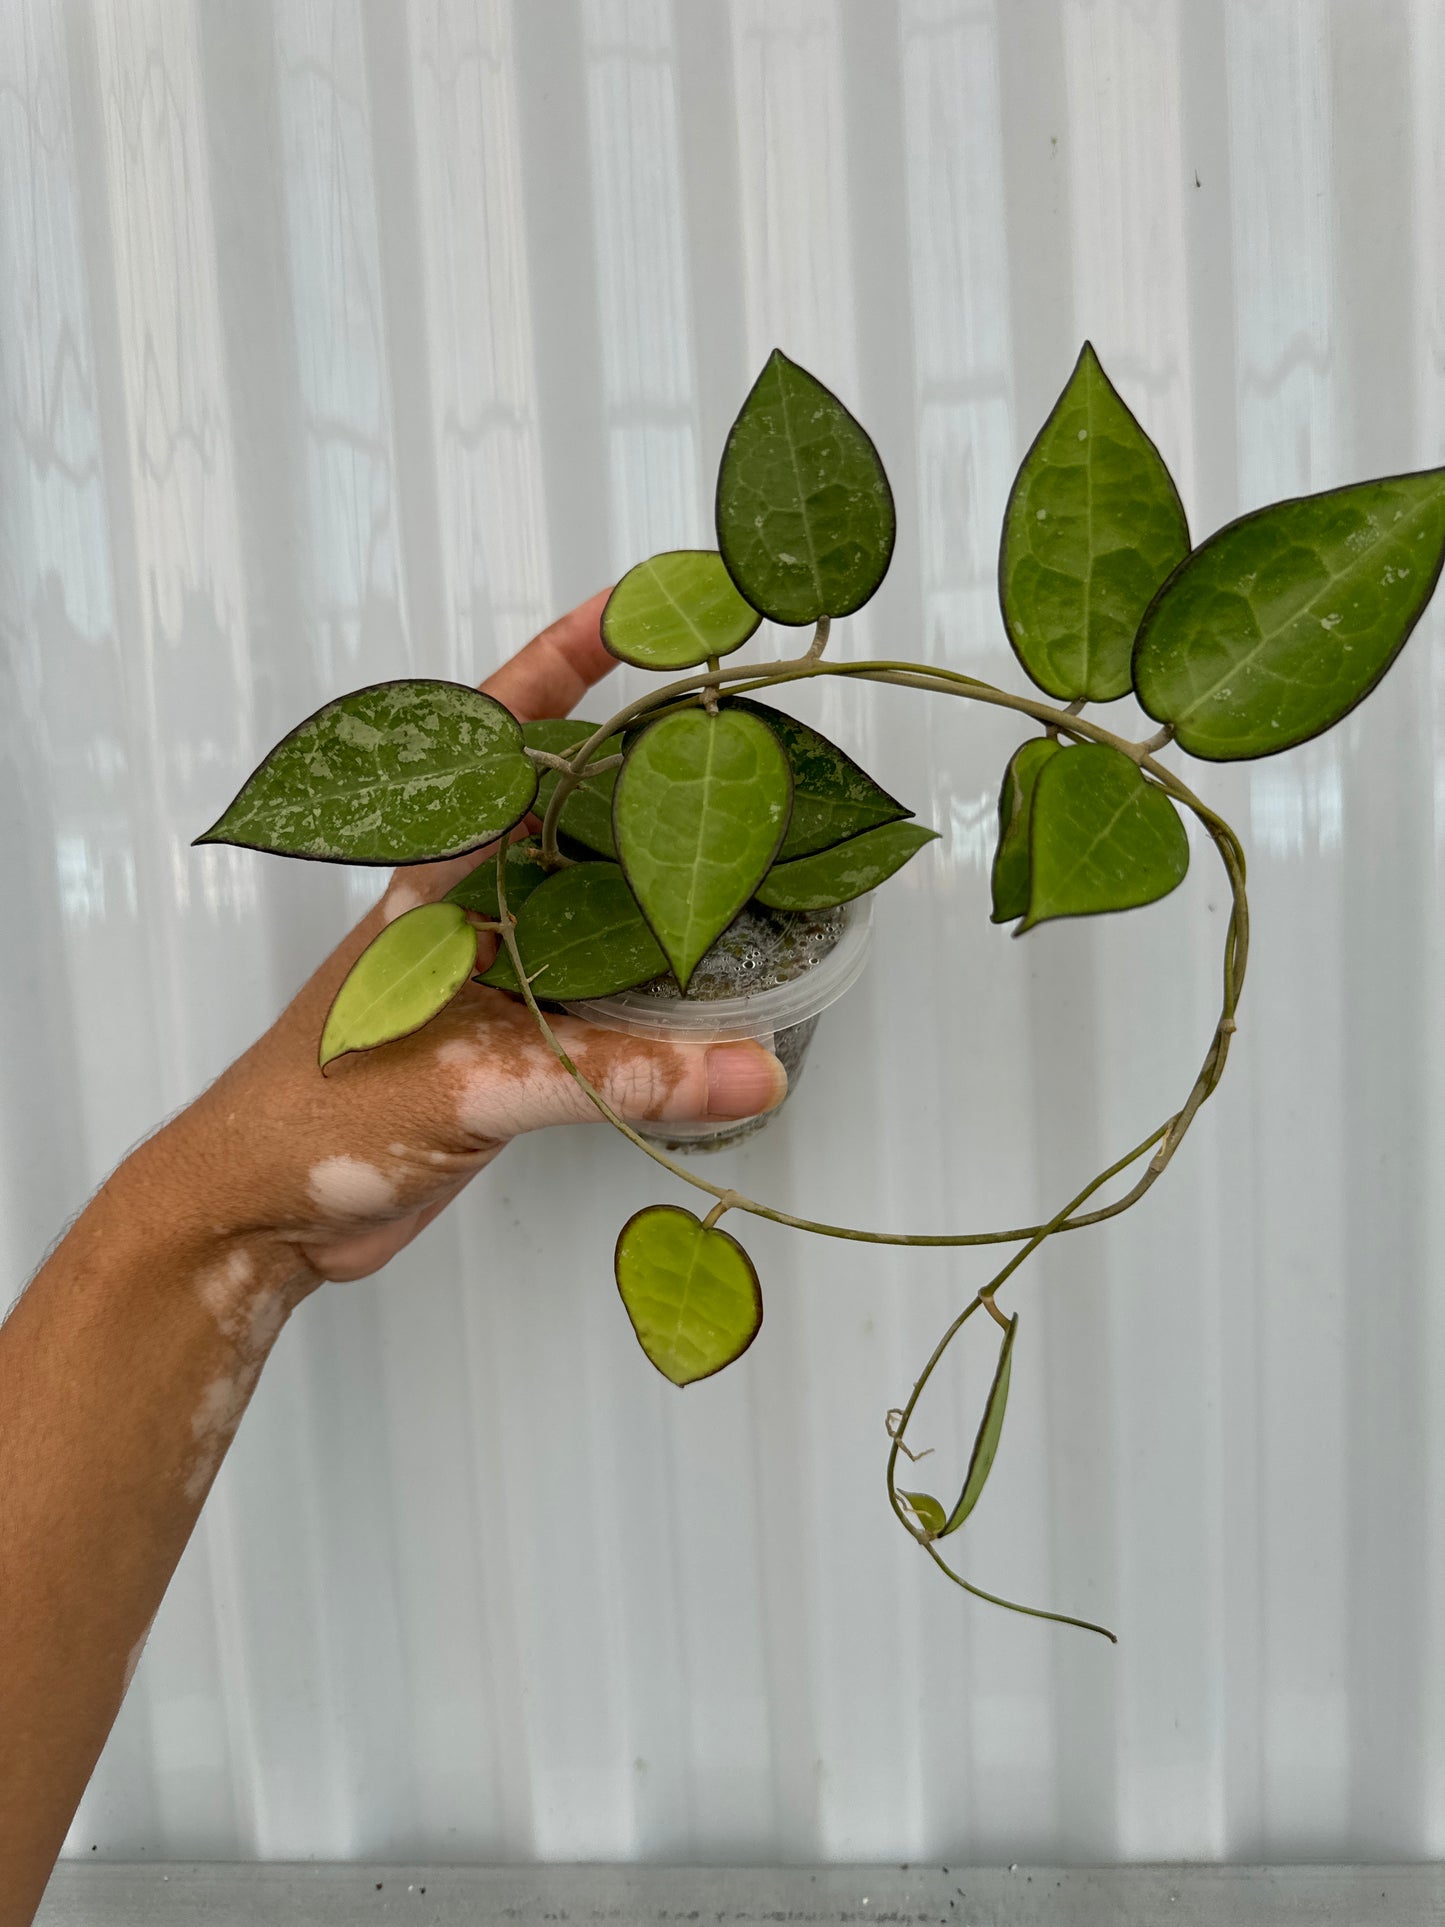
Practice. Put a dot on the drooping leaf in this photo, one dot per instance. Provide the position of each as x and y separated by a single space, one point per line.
844 872
1015 806
1093 526
1282 621
401 980
691 1292
931 1515
1101 838
700 809
675 610
833 798
587 814
985 1446
581 934
805 517
478 890
400 772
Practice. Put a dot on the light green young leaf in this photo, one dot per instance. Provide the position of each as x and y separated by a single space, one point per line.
1101 838
931 1515
846 871
691 1292
675 610
478 890
400 772
581 934
401 980
985 1446
833 799
587 814
1015 808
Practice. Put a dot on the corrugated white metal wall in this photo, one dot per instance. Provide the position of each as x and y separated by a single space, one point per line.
341 340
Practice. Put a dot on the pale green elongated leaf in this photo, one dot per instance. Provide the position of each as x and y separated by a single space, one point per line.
805 517
675 610
691 1292
401 980
1093 526
581 934
931 1515
844 872
587 814
833 798
985 1446
1281 622
1015 804
400 772
700 809
479 890
1101 838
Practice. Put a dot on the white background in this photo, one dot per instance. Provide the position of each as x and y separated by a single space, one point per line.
341 341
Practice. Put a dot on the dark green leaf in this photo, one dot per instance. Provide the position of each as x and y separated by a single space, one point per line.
675 610
1102 837
1015 806
844 872
401 772
1093 526
700 809
401 980
691 1292
1279 624
478 891
805 516
581 934
931 1515
587 814
985 1446
833 798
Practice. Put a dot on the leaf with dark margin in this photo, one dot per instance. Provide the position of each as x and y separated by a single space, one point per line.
478 891
587 814
985 1446
1015 800
833 799
805 518
581 934
675 610
400 772
846 871
1102 837
401 980
931 1515
690 1290
1281 622
700 809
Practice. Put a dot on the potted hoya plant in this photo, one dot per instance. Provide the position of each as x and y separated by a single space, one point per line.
704 863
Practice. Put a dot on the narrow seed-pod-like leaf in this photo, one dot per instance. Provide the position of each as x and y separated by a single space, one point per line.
1282 621
675 610
400 772
1101 837
833 799
985 1446
846 871
700 809
805 518
401 980
478 890
1093 526
1015 806
931 1515
587 814
690 1290
581 934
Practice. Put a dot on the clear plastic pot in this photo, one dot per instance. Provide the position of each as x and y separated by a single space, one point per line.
782 1017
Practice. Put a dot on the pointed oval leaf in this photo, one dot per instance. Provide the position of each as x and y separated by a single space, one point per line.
581 934
833 799
400 772
931 1515
675 610
1015 808
478 891
985 1446
401 980
700 809
805 518
846 871
1102 837
1281 622
587 814
1093 526
691 1292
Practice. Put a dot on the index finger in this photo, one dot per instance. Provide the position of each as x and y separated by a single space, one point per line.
557 668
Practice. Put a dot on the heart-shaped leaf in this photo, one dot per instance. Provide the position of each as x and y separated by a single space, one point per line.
691 1292
581 934
805 517
930 1514
1093 526
833 798
844 872
478 891
700 809
401 980
985 1446
587 814
675 610
1015 808
1102 837
401 772
1281 622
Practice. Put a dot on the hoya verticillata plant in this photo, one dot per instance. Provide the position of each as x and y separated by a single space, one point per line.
662 824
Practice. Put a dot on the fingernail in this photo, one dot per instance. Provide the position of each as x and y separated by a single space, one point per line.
743 1079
